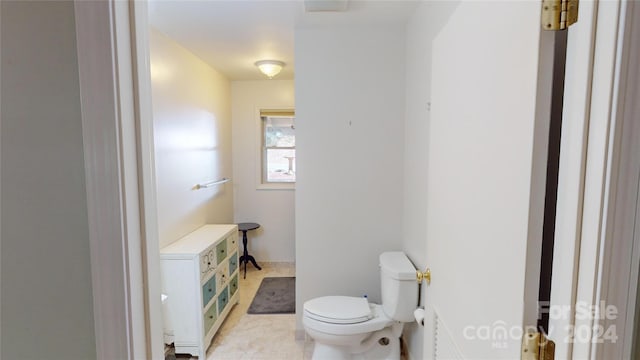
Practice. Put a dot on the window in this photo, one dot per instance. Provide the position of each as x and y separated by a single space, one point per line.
278 146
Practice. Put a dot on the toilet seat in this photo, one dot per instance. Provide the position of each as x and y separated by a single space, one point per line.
338 309
377 320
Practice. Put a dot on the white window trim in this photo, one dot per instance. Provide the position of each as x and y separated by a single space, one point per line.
258 146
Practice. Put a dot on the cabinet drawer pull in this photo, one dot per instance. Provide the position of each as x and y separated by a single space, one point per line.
210 316
210 290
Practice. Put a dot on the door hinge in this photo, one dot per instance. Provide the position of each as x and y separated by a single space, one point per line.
559 14
537 346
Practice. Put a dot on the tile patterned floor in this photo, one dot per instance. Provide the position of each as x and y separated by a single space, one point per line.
260 337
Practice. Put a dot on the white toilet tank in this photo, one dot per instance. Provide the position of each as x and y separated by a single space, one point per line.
398 286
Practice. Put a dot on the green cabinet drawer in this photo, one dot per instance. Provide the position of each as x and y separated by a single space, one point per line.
208 291
223 299
221 251
233 263
233 285
210 318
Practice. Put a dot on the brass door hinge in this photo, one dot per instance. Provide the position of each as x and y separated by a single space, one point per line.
559 14
537 346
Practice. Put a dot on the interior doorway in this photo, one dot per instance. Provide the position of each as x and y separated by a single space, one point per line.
204 128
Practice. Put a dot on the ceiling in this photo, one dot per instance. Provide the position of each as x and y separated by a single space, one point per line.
231 35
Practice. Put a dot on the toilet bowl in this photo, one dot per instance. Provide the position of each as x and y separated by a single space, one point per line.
365 334
345 327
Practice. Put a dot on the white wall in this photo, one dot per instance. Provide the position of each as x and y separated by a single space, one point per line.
350 129
47 308
272 209
192 126
421 29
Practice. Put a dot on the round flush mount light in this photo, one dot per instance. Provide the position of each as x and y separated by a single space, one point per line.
270 68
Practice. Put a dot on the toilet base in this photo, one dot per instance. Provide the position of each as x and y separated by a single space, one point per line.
381 345
326 352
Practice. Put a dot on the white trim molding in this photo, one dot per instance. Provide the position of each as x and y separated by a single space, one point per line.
587 265
620 254
600 123
147 172
111 169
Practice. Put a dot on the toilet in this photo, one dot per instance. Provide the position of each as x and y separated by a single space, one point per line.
345 327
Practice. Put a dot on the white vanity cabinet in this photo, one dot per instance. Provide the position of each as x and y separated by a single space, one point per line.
200 279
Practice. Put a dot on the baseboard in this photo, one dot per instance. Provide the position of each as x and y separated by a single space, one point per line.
277 264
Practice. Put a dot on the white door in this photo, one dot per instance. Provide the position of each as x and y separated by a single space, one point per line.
487 160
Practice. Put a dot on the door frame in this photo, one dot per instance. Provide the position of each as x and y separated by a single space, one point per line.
113 61
620 253
589 202
147 172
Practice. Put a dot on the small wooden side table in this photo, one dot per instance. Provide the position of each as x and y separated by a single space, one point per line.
245 258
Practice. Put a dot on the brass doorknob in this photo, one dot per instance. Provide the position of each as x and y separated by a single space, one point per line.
426 275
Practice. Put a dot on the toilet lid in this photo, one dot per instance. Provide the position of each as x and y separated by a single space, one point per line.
338 309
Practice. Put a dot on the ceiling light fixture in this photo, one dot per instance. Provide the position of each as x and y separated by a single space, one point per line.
270 68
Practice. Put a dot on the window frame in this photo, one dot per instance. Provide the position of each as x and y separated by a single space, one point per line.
261 158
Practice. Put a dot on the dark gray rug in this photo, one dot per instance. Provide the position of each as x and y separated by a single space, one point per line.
276 295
